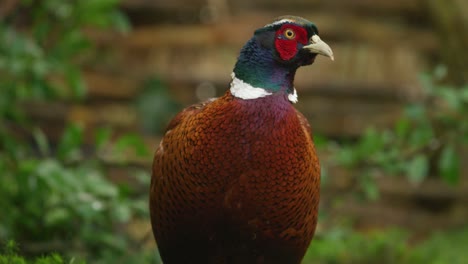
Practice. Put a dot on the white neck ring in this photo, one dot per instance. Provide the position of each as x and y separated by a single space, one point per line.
243 90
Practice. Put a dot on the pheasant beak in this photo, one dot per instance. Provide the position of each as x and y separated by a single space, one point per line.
319 47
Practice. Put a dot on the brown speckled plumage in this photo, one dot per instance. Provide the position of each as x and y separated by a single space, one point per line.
235 181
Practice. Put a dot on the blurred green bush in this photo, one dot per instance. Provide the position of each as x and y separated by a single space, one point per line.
10 255
426 141
55 197
345 246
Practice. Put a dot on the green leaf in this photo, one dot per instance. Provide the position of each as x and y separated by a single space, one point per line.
120 22
11 247
449 164
427 81
41 30
41 141
70 142
75 82
134 142
451 96
371 142
346 156
464 93
122 213
417 168
421 135
97 186
103 136
402 127
71 43
320 140
56 216
416 112
370 188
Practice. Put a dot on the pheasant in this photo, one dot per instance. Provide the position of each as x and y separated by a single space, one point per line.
236 179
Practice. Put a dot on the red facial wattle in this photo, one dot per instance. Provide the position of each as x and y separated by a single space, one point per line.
286 47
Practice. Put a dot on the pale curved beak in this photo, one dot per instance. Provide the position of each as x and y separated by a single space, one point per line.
319 47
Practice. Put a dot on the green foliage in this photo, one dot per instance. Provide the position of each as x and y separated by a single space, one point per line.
10 256
344 246
424 141
441 248
55 194
51 199
131 141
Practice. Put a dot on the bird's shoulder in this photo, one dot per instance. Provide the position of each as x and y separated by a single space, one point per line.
188 112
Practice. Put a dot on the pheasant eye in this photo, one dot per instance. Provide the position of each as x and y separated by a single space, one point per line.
289 33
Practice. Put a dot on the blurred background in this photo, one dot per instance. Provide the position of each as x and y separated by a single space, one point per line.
87 87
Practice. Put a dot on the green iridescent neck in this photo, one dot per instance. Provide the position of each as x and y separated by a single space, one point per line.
257 66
